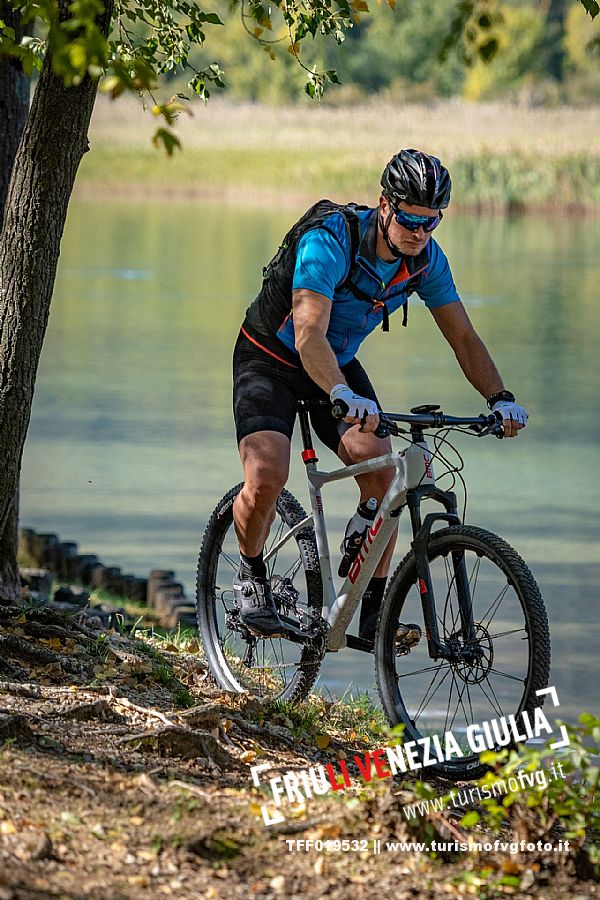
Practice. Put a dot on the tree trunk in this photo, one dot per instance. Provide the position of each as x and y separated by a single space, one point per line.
52 145
14 107
14 102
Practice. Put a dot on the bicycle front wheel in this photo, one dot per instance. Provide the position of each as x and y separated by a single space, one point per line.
512 659
270 668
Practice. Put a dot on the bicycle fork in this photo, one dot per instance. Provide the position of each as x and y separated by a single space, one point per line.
421 486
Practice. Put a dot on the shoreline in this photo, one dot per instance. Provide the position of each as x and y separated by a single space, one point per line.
502 158
88 190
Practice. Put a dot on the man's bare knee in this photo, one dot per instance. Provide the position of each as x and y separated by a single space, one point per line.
265 458
357 447
263 486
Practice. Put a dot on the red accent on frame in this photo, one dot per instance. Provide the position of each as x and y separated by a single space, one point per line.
308 455
422 587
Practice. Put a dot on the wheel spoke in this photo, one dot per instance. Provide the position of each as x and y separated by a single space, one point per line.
420 671
496 706
460 701
471 713
495 605
506 675
491 687
427 698
452 683
476 568
505 633
451 578
266 667
465 683
234 565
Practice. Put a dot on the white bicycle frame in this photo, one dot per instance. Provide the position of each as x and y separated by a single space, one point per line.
413 468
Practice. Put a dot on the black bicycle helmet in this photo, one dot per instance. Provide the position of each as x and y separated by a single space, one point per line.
416 177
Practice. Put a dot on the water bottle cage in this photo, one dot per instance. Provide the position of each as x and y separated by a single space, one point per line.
350 547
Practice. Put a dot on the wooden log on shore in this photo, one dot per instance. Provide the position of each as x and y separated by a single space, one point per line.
84 563
97 575
38 582
126 586
26 546
184 615
111 579
168 597
51 552
139 590
48 552
156 579
91 569
67 565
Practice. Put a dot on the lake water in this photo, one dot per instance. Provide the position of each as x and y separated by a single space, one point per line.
131 439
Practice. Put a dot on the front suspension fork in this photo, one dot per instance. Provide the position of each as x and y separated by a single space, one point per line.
422 533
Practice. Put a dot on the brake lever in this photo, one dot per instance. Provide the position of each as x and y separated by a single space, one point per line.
382 431
386 428
496 428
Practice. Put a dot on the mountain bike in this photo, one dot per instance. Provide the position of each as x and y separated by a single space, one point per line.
484 649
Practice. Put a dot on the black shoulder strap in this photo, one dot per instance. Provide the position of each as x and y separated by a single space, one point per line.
353 226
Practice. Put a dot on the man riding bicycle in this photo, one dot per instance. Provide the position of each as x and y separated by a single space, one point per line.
351 269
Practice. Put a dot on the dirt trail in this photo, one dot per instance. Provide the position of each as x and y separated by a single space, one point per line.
125 774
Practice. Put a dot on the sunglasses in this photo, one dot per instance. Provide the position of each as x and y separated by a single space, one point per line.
412 222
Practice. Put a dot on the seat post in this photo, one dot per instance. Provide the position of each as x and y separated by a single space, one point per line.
308 453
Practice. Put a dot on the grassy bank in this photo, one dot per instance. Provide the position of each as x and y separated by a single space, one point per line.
501 157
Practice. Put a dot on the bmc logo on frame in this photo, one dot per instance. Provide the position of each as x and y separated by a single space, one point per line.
364 550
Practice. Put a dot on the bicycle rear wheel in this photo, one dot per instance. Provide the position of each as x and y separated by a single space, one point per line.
271 668
432 697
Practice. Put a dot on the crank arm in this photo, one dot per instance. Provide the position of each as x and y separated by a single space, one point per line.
297 635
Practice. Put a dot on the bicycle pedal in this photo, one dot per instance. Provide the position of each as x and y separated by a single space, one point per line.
407 637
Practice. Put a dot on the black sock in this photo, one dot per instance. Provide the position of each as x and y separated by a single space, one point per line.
253 565
372 597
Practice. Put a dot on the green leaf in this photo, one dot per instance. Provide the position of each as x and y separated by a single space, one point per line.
211 18
470 819
511 881
169 140
591 7
331 74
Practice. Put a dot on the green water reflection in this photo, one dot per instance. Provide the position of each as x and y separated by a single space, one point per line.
131 438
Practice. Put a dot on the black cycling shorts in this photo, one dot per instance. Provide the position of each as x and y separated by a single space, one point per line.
265 393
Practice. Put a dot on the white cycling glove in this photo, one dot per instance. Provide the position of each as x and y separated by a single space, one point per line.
358 406
512 411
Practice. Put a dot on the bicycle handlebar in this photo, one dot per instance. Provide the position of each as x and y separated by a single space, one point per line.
482 424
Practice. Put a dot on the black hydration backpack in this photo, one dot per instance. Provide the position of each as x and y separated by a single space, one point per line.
315 217
273 303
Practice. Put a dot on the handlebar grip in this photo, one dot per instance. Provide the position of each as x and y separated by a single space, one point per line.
339 409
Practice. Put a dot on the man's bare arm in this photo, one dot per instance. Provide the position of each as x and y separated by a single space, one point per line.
311 319
472 354
470 351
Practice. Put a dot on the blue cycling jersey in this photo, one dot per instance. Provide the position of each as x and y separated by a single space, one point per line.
323 262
